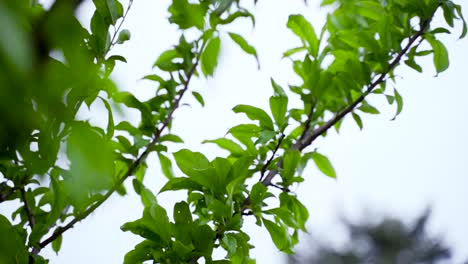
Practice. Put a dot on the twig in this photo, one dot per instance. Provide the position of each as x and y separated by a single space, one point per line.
280 140
118 27
157 135
280 187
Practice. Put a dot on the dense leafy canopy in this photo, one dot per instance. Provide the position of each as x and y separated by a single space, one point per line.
61 168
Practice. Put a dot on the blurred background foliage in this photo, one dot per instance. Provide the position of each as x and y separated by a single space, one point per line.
387 241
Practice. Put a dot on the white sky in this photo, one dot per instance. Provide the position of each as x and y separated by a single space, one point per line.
393 167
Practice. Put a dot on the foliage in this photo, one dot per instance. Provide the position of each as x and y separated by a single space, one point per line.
389 241
61 168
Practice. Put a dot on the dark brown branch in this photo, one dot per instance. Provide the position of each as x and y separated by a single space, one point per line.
308 137
157 135
263 170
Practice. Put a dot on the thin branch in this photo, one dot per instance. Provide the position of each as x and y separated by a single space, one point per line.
157 135
308 121
112 43
280 140
280 187
309 137
29 213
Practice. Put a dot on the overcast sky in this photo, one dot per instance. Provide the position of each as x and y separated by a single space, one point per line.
393 167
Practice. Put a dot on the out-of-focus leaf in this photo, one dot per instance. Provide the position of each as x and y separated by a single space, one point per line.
12 244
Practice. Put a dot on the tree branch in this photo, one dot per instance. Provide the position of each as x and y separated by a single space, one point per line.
157 135
307 137
272 156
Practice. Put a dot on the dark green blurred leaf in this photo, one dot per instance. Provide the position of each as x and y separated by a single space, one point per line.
12 244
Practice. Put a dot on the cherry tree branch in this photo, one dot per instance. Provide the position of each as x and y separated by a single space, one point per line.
132 169
308 137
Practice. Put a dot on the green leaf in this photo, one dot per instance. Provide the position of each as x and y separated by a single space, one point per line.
147 197
140 253
57 244
441 59
110 119
164 61
244 45
209 57
191 163
180 183
109 9
92 163
279 107
258 194
199 98
182 214
154 77
228 145
290 162
166 166
324 164
304 30
279 235
229 243
244 133
124 35
285 215
186 15
399 101
292 51
279 91
367 108
171 138
358 120
12 244
255 113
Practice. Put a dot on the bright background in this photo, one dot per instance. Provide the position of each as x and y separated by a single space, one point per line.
393 167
